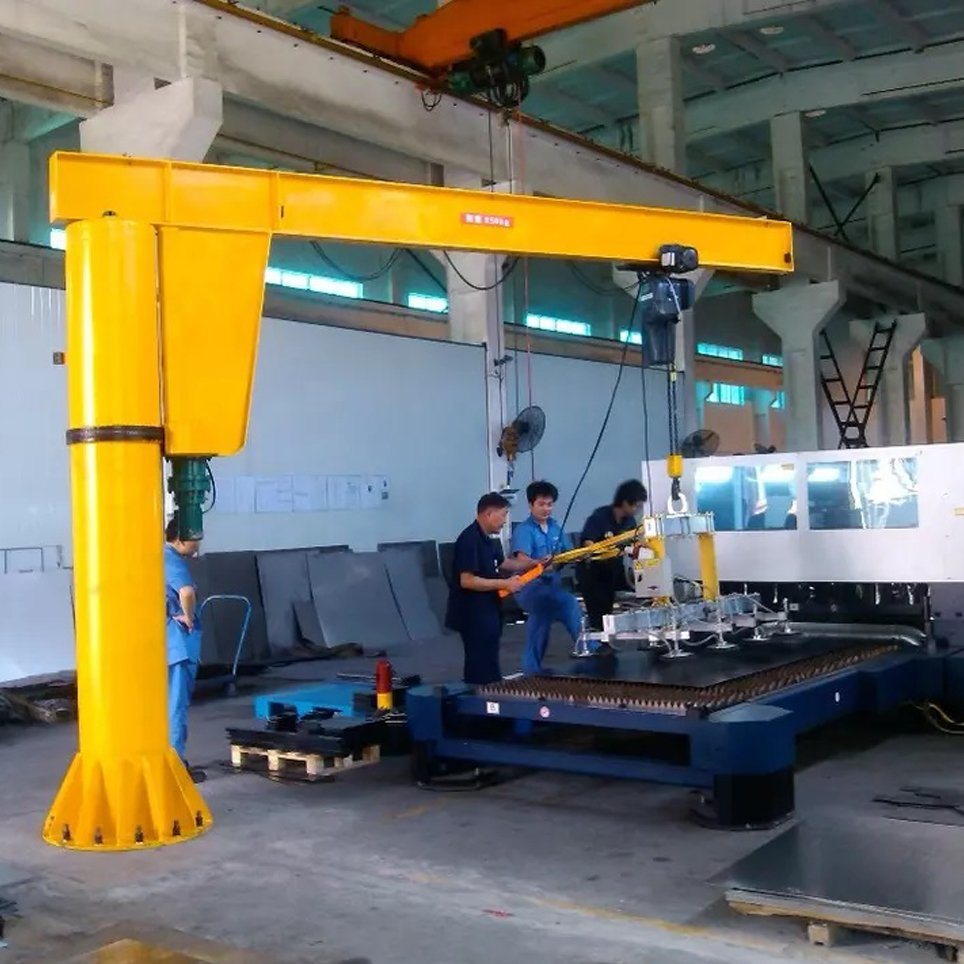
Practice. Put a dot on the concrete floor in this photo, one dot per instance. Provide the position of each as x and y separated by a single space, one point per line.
543 868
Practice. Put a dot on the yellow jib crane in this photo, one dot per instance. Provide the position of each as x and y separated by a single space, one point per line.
164 272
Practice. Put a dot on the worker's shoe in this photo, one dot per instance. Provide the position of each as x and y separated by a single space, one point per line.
195 773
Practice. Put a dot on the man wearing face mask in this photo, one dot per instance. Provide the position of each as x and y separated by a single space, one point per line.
598 580
183 636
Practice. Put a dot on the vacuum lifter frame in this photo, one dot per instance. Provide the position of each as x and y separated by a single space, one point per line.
164 271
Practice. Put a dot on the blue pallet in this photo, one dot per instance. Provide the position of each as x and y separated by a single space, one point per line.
338 697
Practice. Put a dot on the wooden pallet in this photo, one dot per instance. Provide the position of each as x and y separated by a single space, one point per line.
827 923
291 764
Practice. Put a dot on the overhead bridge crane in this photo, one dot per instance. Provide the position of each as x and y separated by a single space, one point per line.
476 46
164 269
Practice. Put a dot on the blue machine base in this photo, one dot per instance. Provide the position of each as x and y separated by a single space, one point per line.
742 754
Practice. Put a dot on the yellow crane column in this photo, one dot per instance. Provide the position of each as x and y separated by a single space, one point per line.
126 787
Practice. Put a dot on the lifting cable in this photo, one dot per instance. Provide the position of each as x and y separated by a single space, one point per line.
630 328
516 130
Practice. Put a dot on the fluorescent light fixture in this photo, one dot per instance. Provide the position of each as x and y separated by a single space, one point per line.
816 112
562 326
428 303
320 284
702 49
295 279
771 30
58 239
334 286
633 337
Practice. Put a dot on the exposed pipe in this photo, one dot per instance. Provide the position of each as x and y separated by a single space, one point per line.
906 635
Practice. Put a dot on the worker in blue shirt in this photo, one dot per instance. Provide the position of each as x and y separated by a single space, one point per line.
183 636
599 579
544 600
477 576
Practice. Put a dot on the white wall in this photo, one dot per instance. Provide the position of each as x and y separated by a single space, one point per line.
574 395
326 401
331 401
34 482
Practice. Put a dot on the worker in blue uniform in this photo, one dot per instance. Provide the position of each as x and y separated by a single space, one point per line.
479 571
183 636
544 600
598 580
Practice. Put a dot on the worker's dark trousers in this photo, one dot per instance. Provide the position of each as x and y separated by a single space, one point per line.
480 638
597 585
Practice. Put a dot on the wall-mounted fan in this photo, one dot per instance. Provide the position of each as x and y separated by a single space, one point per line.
522 434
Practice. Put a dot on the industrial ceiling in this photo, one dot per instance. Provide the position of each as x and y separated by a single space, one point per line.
907 112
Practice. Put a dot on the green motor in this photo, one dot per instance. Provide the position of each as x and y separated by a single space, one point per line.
190 484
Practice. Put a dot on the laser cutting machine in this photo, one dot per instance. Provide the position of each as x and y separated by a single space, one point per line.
708 692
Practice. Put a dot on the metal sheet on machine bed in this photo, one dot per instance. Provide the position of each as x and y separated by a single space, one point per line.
907 871
707 668
642 680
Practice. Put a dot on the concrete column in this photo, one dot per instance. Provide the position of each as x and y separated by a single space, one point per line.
703 392
690 412
947 356
881 206
790 175
179 121
763 399
797 313
919 402
950 252
15 171
476 317
662 121
890 416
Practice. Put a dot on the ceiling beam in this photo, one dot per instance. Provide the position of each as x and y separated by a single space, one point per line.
922 144
910 31
702 159
581 108
705 75
308 80
865 81
844 49
758 50
608 37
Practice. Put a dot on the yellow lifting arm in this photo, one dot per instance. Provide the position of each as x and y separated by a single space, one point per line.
211 198
164 274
